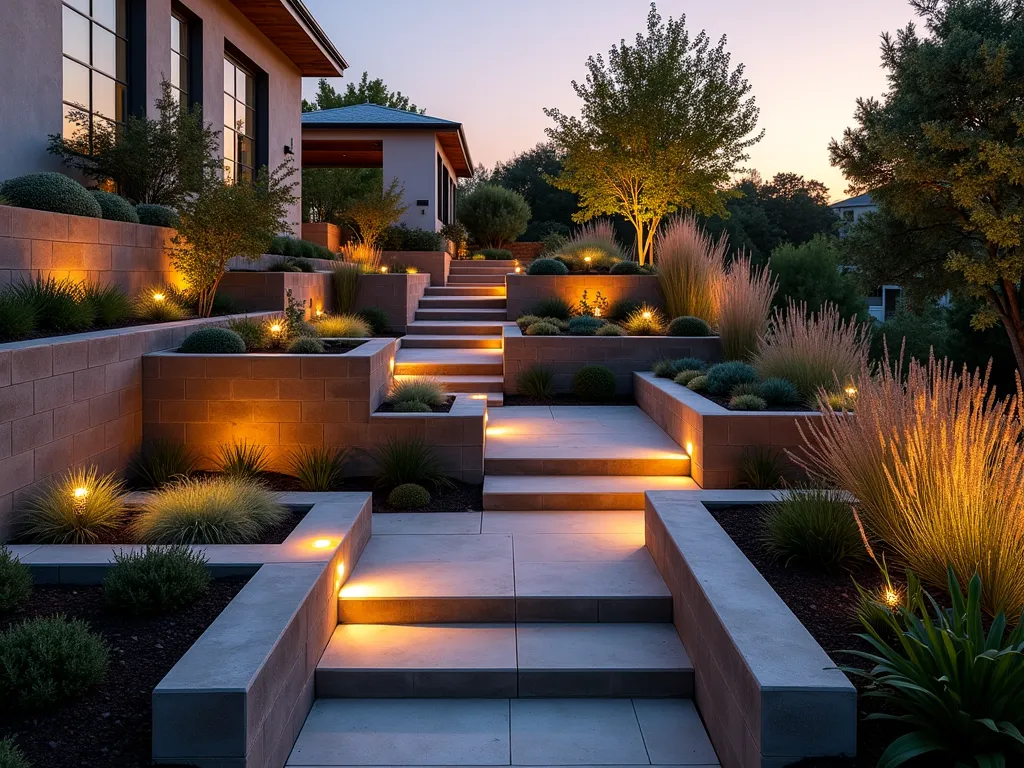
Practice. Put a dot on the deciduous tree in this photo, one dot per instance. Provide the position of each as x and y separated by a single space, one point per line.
366 91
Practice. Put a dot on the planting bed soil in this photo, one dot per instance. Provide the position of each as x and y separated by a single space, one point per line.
824 604
460 497
111 726
390 408
511 400
331 347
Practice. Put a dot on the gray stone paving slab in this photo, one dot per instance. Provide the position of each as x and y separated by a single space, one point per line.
576 732
564 522
391 523
673 732
427 732
438 647
635 578
600 647
580 547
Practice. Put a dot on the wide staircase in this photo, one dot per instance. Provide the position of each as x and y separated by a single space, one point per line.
456 336
528 638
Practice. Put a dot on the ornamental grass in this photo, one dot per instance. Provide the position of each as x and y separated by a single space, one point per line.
935 459
744 306
368 257
691 268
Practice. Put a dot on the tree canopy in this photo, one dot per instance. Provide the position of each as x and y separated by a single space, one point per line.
663 125
943 152
528 173
366 91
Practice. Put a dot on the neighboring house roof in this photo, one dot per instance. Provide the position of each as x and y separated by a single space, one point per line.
860 201
290 26
450 134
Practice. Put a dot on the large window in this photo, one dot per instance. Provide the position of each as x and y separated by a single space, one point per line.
239 122
179 58
95 62
445 195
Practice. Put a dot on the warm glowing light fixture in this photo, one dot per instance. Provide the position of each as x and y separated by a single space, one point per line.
383 270
647 315
518 270
496 431
587 259
597 311
81 493
891 597
158 296
319 313
276 328
478 397
321 544
689 449
851 391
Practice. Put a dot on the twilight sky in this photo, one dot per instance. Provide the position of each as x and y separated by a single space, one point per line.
494 65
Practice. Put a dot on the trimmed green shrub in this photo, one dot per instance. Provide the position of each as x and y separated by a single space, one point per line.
114 207
747 403
295 248
160 306
157 581
284 265
47 662
404 238
213 341
17 317
762 468
110 304
376 318
746 388
493 215
688 326
496 254
243 459
409 496
15 581
594 382
542 328
158 462
319 469
59 305
525 321
813 526
611 329
622 309
626 267
344 327
11 756
778 392
685 377
585 326
665 369
412 406
50 192
306 345
723 377
301 329
77 507
547 267
421 389
218 510
156 215
537 381
698 383
408 460
253 332
691 364
553 306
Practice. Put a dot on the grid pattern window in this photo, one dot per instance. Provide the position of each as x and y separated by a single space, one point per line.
179 58
95 40
239 122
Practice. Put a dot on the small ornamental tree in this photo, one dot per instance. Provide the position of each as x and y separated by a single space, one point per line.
225 220
376 211
663 126
493 215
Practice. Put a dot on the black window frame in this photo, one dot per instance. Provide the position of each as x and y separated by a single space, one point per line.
261 104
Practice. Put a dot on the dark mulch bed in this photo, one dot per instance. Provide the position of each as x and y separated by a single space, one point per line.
460 497
111 726
824 603
567 400
119 326
389 408
330 348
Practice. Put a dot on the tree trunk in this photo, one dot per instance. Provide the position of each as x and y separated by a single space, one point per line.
1011 323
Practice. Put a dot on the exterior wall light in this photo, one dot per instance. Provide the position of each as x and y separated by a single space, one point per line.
321 544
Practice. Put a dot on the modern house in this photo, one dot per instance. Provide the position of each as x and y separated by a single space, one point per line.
851 209
884 300
242 60
426 154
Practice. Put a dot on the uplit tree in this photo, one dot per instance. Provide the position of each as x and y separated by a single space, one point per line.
943 152
663 125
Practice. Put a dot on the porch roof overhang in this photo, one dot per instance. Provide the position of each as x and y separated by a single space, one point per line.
290 26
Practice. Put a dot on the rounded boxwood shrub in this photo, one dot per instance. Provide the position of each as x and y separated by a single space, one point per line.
585 326
115 207
747 403
156 215
376 318
50 192
698 383
496 254
622 309
213 341
306 345
594 382
409 496
685 377
46 662
625 268
778 392
610 329
691 364
156 581
688 326
547 267
542 328
15 581
525 321
723 378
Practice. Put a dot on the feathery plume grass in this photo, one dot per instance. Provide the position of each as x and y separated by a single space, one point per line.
744 303
691 268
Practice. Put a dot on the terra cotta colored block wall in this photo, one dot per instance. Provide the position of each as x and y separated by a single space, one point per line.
398 295
524 291
268 291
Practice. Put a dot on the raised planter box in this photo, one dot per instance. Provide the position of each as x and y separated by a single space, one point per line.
267 260
74 400
565 355
713 436
397 294
524 291
322 233
268 291
433 263
768 694
284 401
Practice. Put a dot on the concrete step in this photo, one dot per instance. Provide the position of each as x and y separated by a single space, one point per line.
590 465
504 661
463 315
476 279
478 264
440 362
465 290
454 328
450 342
488 270
528 492
462 302
491 385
